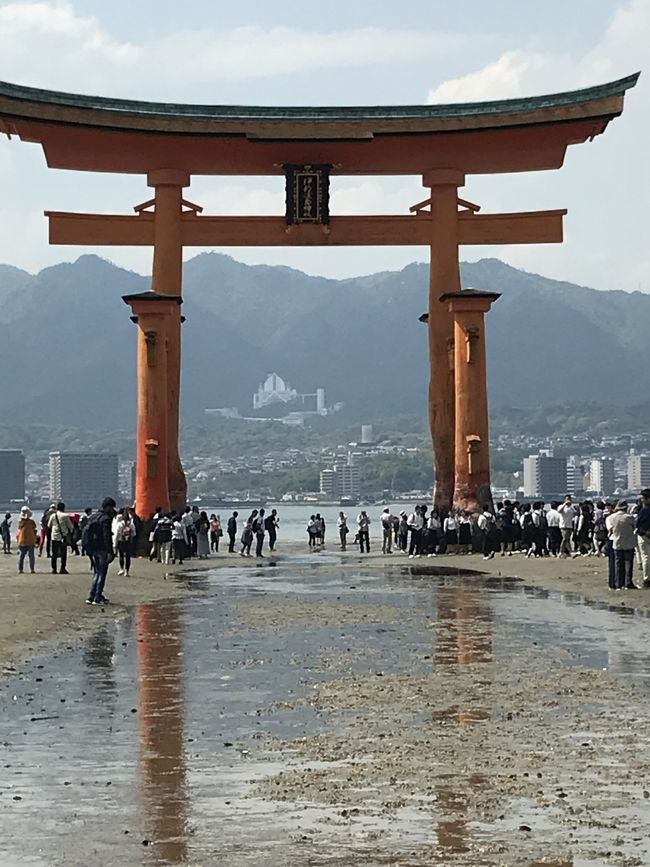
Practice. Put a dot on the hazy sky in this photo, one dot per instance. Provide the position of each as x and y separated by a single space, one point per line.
414 51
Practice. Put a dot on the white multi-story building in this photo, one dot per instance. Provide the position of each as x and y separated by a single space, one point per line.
601 476
82 479
638 472
575 476
544 475
341 480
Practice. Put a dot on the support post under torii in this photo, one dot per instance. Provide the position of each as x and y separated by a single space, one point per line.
472 451
152 313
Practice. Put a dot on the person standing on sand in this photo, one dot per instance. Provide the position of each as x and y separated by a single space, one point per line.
258 530
98 542
387 532
642 528
27 538
364 532
415 525
5 532
215 532
271 526
620 527
567 514
342 522
232 532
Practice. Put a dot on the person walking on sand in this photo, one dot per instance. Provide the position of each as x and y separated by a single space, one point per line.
124 539
98 542
271 523
179 539
61 529
26 537
567 514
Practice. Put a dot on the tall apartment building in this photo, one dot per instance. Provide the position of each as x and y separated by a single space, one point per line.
82 479
544 475
575 477
342 480
638 472
602 478
12 475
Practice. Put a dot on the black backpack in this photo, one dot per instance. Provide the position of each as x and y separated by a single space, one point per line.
92 537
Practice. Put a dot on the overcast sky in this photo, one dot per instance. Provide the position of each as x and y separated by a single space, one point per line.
374 52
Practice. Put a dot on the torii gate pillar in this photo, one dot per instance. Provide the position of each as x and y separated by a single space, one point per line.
152 313
444 276
472 452
167 279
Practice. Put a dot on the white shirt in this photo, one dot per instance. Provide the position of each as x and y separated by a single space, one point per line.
567 514
553 518
415 521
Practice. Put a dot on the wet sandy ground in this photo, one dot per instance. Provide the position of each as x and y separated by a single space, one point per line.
310 713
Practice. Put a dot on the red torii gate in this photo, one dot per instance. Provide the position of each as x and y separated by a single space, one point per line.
442 143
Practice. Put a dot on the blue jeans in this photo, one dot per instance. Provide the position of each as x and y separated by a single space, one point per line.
100 565
29 551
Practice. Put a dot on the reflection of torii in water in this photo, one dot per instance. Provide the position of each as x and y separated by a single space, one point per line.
463 637
162 762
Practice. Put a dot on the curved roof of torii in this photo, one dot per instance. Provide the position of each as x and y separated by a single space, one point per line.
101 134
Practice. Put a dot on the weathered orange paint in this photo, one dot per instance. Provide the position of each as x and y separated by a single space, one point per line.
532 227
152 313
480 151
471 444
167 279
444 276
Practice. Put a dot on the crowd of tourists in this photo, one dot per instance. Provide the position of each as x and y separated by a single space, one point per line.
108 534
619 531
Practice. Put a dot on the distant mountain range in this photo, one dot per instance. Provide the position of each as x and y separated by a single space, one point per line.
67 347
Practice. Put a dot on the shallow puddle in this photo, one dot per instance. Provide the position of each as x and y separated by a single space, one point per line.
304 714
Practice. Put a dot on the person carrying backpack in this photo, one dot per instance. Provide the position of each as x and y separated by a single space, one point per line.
97 540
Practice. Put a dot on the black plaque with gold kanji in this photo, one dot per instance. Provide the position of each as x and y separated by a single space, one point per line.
308 194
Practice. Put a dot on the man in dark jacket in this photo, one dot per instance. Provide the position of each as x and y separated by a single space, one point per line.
98 542
643 535
232 532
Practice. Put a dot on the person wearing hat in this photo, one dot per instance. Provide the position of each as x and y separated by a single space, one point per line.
26 537
620 527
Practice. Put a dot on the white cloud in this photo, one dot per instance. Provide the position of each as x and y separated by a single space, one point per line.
603 184
48 43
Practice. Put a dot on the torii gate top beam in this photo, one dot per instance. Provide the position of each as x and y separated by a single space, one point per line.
109 135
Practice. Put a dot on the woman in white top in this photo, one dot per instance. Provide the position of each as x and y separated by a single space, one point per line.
450 529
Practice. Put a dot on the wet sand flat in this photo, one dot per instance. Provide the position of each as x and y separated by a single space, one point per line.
325 712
